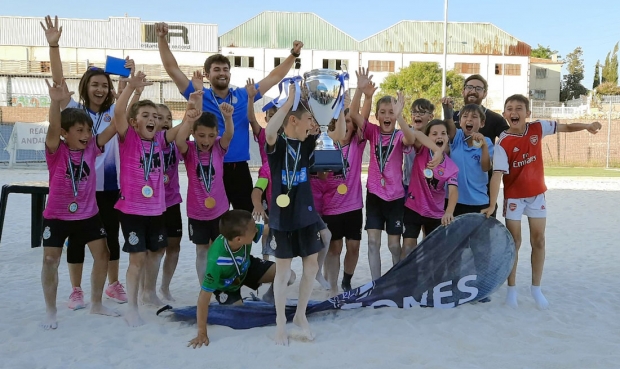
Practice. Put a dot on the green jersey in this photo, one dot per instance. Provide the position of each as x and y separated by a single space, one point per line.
226 269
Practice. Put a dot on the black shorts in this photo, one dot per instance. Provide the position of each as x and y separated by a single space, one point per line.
143 232
461 209
256 271
81 232
301 242
238 185
346 225
384 215
414 223
173 221
203 232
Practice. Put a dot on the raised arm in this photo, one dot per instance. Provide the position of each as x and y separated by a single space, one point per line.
364 85
168 60
576 127
192 113
423 140
368 90
229 127
120 110
398 105
276 75
251 88
58 93
340 129
271 132
52 34
447 103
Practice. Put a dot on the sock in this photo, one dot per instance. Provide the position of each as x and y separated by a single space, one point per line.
347 277
511 297
539 298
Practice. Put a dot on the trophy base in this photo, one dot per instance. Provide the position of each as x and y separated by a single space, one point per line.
326 161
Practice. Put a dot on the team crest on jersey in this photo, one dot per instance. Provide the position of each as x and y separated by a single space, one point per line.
534 139
107 118
133 239
47 233
512 206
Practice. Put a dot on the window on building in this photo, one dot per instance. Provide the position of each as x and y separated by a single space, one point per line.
467 68
242 61
541 73
540 94
46 67
498 69
336 64
512 69
278 61
381 66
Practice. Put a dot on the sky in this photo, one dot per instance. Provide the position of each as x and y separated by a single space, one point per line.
562 25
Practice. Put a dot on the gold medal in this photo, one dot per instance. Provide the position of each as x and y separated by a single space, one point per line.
428 173
147 191
283 200
477 144
210 203
342 189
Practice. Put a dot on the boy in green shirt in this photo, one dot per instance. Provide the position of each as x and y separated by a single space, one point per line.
230 266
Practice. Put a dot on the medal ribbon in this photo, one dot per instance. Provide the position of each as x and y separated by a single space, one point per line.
217 105
344 159
382 160
206 181
232 256
289 182
74 183
149 164
169 161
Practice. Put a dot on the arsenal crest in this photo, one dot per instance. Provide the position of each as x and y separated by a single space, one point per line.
534 139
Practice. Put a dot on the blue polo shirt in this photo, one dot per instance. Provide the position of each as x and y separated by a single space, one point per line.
239 149
472 180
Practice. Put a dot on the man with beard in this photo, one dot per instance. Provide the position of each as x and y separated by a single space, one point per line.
237 178
474 91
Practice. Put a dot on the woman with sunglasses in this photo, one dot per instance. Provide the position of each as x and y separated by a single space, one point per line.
97 98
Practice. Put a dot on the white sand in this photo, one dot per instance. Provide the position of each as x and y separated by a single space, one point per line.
579 331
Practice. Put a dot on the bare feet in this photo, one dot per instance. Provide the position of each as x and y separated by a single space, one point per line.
102 310
303 331
50 321
322 281
133 318
166 295
151 299
281 336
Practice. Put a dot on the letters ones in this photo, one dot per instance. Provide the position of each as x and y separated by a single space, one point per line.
175 31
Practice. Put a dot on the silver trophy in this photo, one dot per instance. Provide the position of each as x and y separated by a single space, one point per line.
325 93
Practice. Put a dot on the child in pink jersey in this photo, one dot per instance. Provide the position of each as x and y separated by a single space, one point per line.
204 163
261 194
142 197
72 210
385 196
425 202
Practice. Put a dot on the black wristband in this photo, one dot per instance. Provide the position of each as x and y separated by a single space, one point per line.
294 53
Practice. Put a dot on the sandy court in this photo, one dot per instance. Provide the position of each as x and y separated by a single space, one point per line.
579 331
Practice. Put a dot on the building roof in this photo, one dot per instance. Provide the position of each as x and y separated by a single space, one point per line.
426 37
545 61
278 30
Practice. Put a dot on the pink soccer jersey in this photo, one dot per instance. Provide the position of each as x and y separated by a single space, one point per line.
389 185
212 163
427 196
336 203
172 157
135 197
61 194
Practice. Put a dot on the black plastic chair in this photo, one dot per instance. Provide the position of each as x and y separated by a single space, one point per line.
38 192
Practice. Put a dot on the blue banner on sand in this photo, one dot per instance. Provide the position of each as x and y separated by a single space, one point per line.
464 262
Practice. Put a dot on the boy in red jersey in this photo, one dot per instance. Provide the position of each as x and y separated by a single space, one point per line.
518 161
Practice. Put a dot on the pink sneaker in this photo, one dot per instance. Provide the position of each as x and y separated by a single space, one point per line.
116 292
76 300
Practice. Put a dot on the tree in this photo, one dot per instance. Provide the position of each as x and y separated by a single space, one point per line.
610 68
597 76
571 85
543 52
608 88
422 80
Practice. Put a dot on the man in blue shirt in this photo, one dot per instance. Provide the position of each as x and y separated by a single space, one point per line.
237 177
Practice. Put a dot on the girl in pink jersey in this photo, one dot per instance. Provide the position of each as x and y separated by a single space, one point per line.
72 210
142 197
172 216
204 163
424 206
385 196
97 99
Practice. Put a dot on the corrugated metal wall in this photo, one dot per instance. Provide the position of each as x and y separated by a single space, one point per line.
114 33
278 30
427 38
